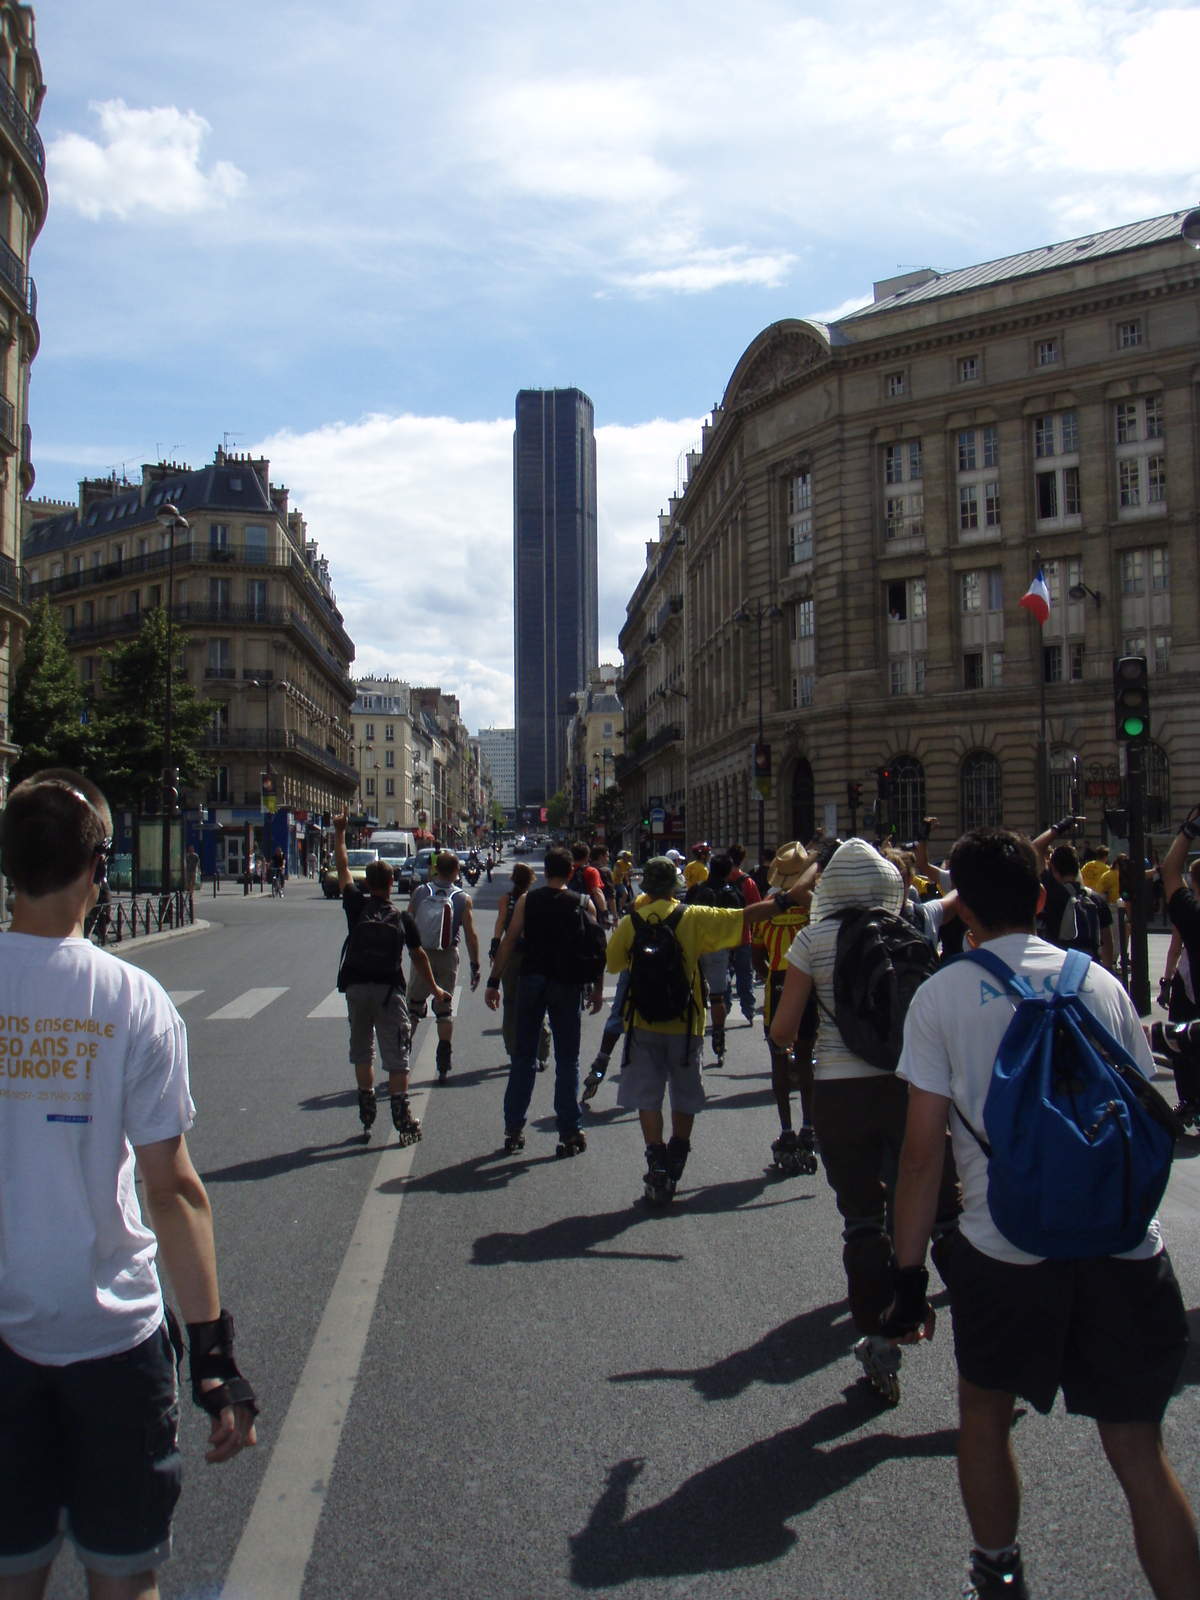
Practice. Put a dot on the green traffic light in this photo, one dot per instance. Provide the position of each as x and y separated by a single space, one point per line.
1134 727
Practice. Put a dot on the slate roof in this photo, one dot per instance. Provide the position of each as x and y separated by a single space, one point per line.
1048 258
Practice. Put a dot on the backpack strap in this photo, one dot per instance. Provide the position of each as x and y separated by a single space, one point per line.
1017 986
673 920
1074 971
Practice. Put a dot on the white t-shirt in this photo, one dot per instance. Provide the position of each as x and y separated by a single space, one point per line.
93 1061
952 1036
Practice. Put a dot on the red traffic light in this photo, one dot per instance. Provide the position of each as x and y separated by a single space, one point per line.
762 760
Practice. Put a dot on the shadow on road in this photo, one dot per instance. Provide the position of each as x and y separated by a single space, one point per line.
312 1155
568 1238
735 1513
787 1354
477 1175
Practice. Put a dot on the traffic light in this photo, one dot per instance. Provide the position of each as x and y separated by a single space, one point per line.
854 795
762 760
883 783
1117 821
1131 696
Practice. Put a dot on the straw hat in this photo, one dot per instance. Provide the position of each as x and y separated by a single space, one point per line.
790 864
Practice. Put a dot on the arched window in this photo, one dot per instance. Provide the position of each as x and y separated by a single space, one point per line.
1066 797
804 811
910 796
982 805
1158 787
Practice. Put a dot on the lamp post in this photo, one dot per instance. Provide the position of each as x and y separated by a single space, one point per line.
744 617
265 684
170 519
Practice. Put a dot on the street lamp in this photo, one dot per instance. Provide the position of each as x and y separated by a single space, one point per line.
265 684
170 519
744 617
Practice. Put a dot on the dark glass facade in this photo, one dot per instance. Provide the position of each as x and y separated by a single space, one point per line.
555 581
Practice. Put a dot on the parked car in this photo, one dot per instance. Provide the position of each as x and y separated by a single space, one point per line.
358 861
403 874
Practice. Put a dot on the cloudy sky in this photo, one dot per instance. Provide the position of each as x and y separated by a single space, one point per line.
346 235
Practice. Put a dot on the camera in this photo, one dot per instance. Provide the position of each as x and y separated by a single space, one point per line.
1179 1044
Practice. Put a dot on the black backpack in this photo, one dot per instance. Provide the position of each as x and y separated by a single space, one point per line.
659 990
880 963
731 895
374 948
575 882
1079 928
582 949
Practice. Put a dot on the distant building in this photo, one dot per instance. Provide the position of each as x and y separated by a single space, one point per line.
595 742
555 579
499 745
381 718
21 93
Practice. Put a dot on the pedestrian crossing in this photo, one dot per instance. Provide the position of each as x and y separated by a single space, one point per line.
253 1001
246 1005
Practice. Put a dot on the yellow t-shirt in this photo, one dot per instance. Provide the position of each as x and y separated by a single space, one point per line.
620 872
701 930
695 872
1110 884
1093 873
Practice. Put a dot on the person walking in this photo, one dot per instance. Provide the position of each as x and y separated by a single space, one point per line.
696 870
371 976
522 882
586 879
441 909
793 870
858 1109
88 1351
660 945
741 962
1109 1330
1072 917
546 920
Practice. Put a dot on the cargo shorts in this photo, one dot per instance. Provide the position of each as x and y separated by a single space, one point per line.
378 1009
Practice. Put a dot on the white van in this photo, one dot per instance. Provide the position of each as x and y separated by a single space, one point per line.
392 843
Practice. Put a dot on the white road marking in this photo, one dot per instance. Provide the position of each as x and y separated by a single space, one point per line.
333 1005
180 997
277 1540
246 1005
458 989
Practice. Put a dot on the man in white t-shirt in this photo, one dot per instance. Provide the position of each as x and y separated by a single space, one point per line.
93 1087
1110 1332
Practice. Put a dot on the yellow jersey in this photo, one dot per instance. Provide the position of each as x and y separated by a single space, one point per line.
695 872
700 931
1092 873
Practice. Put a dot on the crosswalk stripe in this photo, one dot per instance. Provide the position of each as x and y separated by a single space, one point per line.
180 997
246 1005
333 1006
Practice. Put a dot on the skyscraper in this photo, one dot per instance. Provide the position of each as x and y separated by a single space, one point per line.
555 601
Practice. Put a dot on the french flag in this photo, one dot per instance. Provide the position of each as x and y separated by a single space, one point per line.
1037 598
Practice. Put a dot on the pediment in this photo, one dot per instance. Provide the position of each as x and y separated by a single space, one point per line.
784 356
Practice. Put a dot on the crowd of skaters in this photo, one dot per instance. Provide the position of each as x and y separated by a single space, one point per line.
88 1350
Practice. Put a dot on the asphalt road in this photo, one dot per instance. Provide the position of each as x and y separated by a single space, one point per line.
491 1376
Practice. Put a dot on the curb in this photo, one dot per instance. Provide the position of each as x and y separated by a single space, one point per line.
129 947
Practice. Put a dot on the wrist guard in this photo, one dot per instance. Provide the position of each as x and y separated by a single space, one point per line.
475 969
910 1309
925 829
1191 824
492 948
210 1355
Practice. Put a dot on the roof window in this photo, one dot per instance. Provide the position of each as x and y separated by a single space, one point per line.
235 483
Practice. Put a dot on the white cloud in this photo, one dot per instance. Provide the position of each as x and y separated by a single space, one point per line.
145 160
855 303
713 269
415 515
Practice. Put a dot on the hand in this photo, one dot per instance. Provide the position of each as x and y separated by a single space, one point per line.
491 999
474 979
232 1431
339 823
1068 824
928 824
443 997
596 998
917 1336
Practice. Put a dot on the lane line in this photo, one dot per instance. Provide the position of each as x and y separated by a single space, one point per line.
333 1005
272 1554
246 1005
180 997
458 989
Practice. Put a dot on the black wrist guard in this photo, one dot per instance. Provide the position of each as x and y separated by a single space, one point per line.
210 1355
910 1309
1191 824
925 829
492 948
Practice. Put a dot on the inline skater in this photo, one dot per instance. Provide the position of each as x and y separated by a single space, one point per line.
371 976
586 880
88 1352
714 966
696 870
858 1108
795 871
599 861
547 919
440 909
522 881
1110 1330
623 881
1072 917
660 945
741 962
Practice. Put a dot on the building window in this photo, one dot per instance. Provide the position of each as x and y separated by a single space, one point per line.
68 617
803 684
899 677
256 599
219 728
982 608
995 589
895 385
904 513
968 369
369 731
1129 335
800 547
133 603
1141 463
87 669
389 758
389 731
223 785
908 802
804 654
982 796
218 659
1056 482
1076 662
218 537
1064 782
996 668
968 508
971 599
390 787
89 613
219 597
973 670
370 787
978 483
906 635
1046 352
1052 663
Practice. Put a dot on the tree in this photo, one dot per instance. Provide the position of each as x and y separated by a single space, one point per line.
609 808
47 705
556 809
130 718
498 817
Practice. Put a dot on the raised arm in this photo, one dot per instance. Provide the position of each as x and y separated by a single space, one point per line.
341 864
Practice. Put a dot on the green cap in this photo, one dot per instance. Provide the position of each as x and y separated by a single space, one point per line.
660 876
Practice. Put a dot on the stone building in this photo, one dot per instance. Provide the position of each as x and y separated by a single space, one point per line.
595 741
252 596
23 182
451 754
883 488
382 750
652 771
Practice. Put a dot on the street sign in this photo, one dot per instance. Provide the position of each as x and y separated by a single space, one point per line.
658 815
1106 789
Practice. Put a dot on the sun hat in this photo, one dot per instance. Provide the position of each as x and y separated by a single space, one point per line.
791 862
660 877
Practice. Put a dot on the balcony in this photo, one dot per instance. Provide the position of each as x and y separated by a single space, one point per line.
13 275
667 612
13 584
28 138
259 674
225 673
671 733
283 740
28 475
8 425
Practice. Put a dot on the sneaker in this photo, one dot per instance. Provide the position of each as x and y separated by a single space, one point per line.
995 1580
881 1365
443 1057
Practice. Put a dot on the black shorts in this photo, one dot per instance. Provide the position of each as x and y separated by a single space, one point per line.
96 1440
1111 1333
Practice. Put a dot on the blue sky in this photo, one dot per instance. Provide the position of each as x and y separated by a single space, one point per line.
348 235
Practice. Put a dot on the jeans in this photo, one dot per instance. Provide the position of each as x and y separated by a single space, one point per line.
538 997
614 1025
741 972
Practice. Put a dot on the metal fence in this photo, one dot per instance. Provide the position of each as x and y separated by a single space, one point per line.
138 915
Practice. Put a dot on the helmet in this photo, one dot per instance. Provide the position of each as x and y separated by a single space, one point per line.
699 849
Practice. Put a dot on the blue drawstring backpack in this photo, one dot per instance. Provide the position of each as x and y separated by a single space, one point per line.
1079 1144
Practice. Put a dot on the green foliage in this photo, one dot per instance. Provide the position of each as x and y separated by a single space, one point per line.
46 703
609 807
497 814
130 716
556 809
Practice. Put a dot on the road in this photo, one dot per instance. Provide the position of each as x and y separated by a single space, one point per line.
484 1376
